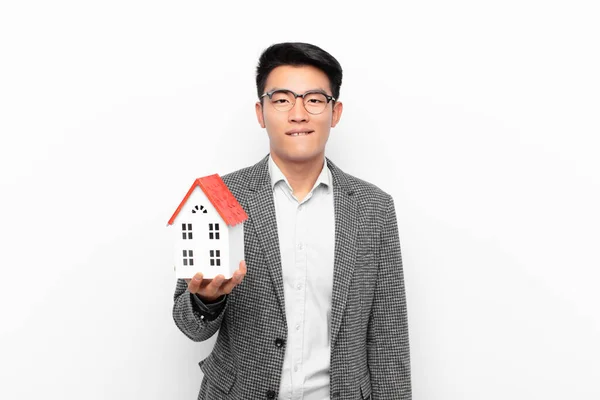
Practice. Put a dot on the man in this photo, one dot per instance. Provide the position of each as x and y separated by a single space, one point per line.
317 309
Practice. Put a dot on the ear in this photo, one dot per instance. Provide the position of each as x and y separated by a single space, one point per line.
337 113
259 114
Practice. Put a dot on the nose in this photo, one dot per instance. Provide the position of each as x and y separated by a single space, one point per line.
298 113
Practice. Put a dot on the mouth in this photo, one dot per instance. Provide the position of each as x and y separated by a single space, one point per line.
299 133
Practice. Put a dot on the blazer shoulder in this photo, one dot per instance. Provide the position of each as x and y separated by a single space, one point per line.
237 177
237 180
373 203
241 180
368 192
362 189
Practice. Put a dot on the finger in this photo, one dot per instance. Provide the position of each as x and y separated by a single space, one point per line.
205 283
233 282
243 267
228 286
212 290
194 283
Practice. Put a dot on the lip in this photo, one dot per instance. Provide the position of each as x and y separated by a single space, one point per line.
290 132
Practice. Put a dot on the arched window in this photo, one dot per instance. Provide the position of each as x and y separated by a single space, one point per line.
199 209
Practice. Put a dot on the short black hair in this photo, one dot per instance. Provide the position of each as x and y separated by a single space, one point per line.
298 54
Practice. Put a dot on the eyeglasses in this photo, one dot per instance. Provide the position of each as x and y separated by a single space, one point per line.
314 101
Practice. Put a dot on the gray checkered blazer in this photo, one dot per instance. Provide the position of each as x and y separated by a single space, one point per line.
369 327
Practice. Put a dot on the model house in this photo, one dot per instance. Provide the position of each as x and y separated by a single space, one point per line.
208 230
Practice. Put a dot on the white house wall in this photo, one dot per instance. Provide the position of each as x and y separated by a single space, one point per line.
236 246
200 244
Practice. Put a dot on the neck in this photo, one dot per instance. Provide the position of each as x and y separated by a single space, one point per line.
300 175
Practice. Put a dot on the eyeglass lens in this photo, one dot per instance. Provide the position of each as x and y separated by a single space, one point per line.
284 100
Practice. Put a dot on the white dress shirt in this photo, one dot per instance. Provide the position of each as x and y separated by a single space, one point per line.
306 233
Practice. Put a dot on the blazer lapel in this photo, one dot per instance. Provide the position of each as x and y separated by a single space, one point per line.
261 209
345 246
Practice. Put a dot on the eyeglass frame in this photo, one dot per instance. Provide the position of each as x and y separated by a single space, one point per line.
327 97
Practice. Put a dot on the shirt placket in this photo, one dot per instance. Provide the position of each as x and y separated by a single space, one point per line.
300 268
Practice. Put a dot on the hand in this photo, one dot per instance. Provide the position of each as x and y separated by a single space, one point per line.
210 290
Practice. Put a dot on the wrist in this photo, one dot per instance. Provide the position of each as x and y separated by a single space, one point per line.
210 300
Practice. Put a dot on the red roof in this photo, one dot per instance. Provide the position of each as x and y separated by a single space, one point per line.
221 198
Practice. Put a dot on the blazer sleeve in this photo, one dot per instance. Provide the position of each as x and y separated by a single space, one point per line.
196 320
388 351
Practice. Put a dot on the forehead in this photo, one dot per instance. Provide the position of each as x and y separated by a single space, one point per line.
297 78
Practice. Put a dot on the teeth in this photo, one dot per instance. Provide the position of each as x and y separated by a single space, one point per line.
299 134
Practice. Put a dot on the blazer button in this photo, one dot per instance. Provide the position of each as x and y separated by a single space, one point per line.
270 394
279 342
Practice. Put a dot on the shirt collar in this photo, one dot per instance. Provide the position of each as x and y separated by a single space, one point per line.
277 176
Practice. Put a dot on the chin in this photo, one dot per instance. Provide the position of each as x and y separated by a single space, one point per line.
299 156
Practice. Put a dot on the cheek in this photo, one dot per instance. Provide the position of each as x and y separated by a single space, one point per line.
274 122
324 123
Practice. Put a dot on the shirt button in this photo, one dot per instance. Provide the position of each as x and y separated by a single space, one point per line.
297 327
278 342
271 394
299 286
299 246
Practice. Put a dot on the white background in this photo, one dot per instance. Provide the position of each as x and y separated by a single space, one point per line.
480 118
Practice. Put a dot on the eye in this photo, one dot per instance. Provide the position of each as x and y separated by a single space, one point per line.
281 97
315 98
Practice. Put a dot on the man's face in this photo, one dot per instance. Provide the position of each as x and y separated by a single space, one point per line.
280 124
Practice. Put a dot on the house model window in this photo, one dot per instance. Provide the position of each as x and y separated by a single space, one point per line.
215 258
213 231
186 231
188 257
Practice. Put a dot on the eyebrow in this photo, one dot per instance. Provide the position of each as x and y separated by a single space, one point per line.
309 90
